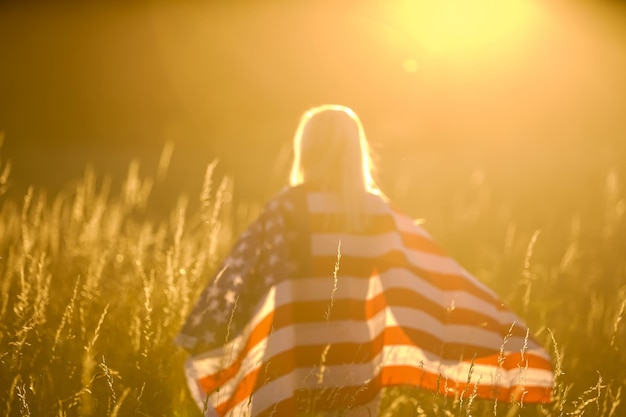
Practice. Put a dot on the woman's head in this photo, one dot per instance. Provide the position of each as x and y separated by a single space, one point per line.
330 150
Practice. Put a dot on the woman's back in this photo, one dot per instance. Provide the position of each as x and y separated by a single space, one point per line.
332 296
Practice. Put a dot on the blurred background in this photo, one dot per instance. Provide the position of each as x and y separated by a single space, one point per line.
501 123
528 97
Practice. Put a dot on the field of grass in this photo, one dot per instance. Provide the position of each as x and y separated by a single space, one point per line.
93 288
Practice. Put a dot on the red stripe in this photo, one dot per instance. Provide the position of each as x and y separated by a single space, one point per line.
308 356
377 225
347 353
363 267
345 309
406 375
352 309
345 397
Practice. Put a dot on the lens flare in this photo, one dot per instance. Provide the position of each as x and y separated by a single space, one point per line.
449 26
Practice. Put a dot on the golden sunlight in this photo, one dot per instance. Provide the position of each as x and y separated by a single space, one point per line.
461 26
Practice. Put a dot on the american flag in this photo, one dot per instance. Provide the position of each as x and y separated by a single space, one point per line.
305 316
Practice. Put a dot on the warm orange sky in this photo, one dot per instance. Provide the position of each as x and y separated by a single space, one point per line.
93 82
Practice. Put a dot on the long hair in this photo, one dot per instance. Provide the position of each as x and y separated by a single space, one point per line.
331 151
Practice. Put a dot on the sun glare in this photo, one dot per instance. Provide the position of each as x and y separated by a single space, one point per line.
464 26
410 65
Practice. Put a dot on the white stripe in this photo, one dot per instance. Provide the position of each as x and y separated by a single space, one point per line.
283 388
321 203
319 289
408 225
192 376
362 289
357 375
403 279
459 371
349 331
325 203
360 332
325 244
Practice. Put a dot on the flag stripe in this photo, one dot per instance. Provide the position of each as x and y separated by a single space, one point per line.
363 267
270 388
417 292
458 327
359 340
353 295
396 349
398 311
346 339
377 225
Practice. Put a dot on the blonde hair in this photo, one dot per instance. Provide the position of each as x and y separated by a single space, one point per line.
331 151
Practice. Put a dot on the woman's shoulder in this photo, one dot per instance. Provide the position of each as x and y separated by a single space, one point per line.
287 198
312 197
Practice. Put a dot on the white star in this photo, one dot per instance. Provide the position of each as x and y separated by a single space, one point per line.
278 239
269 279
273 205
186 341
292 266
236 262
230 296
288 206
220 316
196 319
211 292
208 337
237 280
213 305
269 224
242 246
273 259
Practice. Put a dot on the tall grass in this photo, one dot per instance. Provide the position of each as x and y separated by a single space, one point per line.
93 289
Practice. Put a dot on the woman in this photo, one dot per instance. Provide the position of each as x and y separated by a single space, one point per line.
332 296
